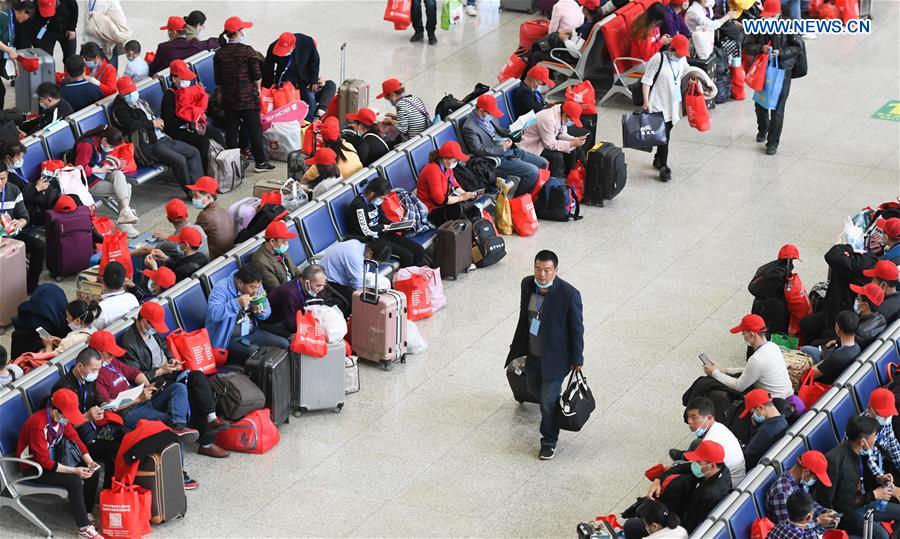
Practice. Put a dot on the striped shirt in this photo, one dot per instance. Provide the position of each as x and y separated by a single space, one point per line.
13 203
412 116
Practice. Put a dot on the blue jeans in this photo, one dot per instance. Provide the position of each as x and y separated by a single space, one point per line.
525 165
315 100
169 406
240 348
430 15
549 392
892 512
794 6
471 2
812 351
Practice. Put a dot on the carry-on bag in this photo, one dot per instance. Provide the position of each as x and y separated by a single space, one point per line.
12 278
242 212
88 286
69 241
236 395
353 94
28 81
160 473
379 321
270 369
644 130
453 247
515 375
317 383
576 403
254 433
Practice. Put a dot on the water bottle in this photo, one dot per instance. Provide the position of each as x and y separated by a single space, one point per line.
881 505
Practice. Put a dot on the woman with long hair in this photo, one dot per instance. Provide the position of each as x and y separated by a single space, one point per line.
646 38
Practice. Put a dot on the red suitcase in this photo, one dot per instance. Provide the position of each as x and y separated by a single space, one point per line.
12 278
69 241
379 321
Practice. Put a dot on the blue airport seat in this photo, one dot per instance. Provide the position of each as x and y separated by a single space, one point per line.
507 96
773 452
318 230
760 487
216 271
59 139
35 154
295 246
13 413
819 434
339 206
191 306
425 238
145 174
800 423
719 530
716 512
360 180
418 153
443 134
840 410
151 91
87 119
171 319
244 252
788 455
844 379
864 381
399 172
36 385
202 65
503 105
883 357
703 527
741 515
65 361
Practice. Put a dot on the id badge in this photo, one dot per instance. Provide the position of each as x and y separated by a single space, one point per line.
41 32
535 325
245 326
676 94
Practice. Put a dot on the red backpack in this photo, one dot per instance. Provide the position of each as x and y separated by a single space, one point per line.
254 433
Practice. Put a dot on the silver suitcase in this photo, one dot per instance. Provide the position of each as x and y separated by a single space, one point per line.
353 94
319 381
27 83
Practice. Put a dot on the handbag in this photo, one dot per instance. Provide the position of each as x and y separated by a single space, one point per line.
115 248
798 304
283 138
576 178
760 528
310 338
695 106
125 509
451 14
524 217
576 403
643 130
502 212
392 207
768 97
399 12
435 285
143 153
193 349
332 321
810 390
738 79
254 433
797 363
418 300
514 67
73 181
756 72
125 154
583 94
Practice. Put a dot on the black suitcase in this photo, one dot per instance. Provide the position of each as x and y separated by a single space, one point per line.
453 248
515 374
270 369
606 173
161 474
865 9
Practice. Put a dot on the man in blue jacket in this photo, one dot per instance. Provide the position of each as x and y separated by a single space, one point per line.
550 333
236 305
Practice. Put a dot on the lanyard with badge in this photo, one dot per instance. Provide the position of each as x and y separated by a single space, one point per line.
538 307
676 90
286 67
120 378
450 190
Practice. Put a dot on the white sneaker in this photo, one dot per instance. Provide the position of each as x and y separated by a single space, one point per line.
127 216
471 11
128 229
89 533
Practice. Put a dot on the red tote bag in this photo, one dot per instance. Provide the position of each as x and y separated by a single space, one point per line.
810 390
514 67
125 510
115 248
193 349
738 79
392 208
695 105
756 73
583 94
125 154
399 12
577 177
524 217
797 301
418 299
760 528
310 338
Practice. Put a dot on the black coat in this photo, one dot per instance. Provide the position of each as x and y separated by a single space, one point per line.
304 67
843 470
65 19
137 354
561 331
130 119
788 44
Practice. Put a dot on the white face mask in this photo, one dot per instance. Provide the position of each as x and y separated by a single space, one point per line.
184 83
453 164
91 376
710 3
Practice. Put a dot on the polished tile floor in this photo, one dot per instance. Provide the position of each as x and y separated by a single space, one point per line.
438 447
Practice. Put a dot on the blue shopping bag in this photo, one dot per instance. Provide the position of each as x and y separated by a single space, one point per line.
768 97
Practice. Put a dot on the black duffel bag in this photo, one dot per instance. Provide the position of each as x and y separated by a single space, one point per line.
575 404
236 395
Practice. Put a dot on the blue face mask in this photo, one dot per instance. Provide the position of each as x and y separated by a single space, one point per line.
883 421
378 201
92 65
866 451
759 419
198 203
570 123
543 286
281 249
132 98
696 470
19 163
453 164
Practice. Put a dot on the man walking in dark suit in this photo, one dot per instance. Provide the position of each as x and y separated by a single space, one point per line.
550 334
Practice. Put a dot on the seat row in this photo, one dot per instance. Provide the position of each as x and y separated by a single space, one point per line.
821 428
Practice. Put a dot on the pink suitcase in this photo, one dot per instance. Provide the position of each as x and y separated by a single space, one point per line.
242 212
12 278
378 331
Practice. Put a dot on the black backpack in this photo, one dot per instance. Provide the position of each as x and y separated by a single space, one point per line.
264 216
488 247
769 279
447 105
557 202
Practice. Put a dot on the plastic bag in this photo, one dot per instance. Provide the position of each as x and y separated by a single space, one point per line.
415 342
310 338
852 236
332 320
283 138
399 12
451 14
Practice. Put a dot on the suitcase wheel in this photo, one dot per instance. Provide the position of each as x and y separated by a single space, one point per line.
338 408
296 413
387 366
403 358
58 278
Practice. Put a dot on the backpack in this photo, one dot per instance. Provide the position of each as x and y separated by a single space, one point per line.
236 395
263 218
479 89
769 280
143 153
488 248
254 433
447 105
557 202
296 164
801 67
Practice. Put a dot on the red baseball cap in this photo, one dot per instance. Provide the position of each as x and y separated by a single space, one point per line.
176 209
66 401
542 74
176 24
884 270
871 291
188 235
153 312
789 251
180 69
67 204
707 451
451 150
125 85
882 401
755 398
323 156
47 8
363 116
573 111
331 129
590 5
164 277
233 24
285 44
751 322
388 87
891 227
104 341
488 103
816 462
681 45
770 8
279 230
206 184
50 167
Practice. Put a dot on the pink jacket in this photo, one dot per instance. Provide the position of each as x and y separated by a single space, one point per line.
566 16
547 134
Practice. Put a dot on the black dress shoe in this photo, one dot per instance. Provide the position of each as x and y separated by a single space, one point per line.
771 150
416 37
656 164
432 39
760 137
665 174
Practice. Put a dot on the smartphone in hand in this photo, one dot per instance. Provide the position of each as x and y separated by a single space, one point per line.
705 359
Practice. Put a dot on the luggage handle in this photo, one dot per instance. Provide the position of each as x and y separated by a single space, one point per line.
343 61
370 295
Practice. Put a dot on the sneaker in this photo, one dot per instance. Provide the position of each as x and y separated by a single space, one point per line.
665 174
263 167
416 37
91 519
186 433
761 137
189 482
89 533
471 11
771 150
547 453
676 454
432 39
127 216
128 229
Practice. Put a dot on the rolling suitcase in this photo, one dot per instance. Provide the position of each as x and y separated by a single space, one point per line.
524 6
27 83
317 383
69 241
453 247
160 473
12 278
270 369
242 212
353 94
515 375
606 173
379 321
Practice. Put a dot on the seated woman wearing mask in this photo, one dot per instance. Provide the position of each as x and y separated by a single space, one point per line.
79 315
438 188
365 219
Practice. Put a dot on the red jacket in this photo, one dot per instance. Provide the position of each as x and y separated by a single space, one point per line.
143 430
645 49
434 184
34 443
106 74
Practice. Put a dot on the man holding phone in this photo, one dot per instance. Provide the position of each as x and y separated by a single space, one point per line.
811 468
549 137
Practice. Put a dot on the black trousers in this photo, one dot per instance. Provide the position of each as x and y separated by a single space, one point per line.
104 451
452 212
407 251
82 492
202 403
561 162
201 142
182 158
36 250
770 122
247 119
662 152
50 39
430 15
